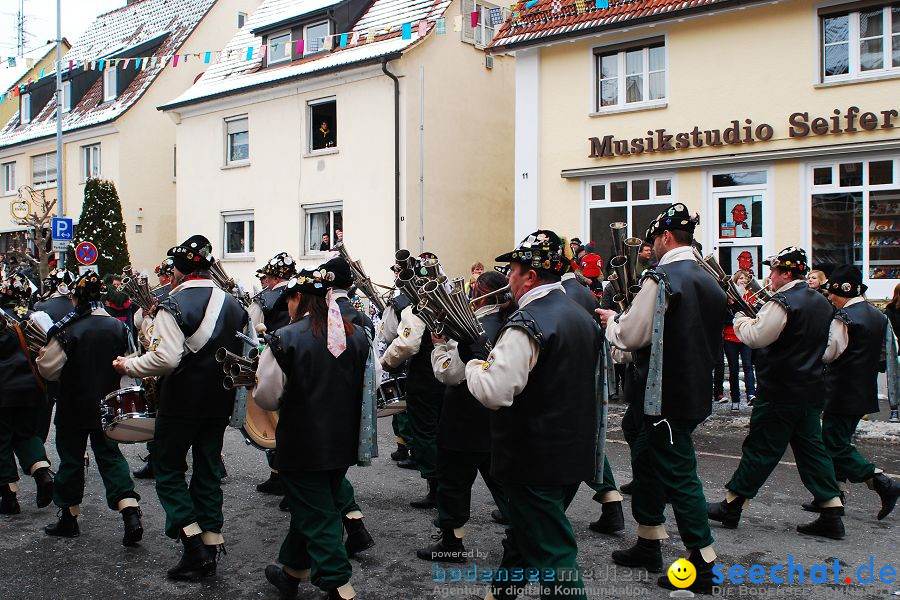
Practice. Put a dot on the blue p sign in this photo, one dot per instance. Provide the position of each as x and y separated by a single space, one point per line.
62 228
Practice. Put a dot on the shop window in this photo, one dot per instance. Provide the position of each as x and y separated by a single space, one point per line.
836 230
238 229
618 191
43 170
324 226
314 37
822 176
237 140
90 161
881 172
631 76
279 48
850 174
9 177
860 43
322 124
739 178
598 192
663 187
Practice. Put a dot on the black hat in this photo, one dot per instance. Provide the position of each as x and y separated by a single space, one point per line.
676 217
543 250
846 281
281 265
791 258
194 254
60 280
88 287
166 267
343 276
316 283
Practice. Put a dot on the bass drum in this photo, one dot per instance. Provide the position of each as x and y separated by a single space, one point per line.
259 425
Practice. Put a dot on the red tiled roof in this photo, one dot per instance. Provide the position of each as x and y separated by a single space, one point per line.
560 18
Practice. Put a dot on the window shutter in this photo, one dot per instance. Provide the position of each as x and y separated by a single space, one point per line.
468 32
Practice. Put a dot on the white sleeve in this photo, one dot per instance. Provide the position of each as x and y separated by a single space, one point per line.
270 382
448 368
620 357
495 382
634 329
838 340
256 315
165 351
408 340
51 360
764 329
389 324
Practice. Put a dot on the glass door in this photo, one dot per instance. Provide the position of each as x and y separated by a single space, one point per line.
738 206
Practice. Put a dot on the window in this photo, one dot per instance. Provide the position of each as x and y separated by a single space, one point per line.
632 76
90 161
9 177
321 223
635 201
739 201
43 170
322 124
66 102
242 18
238 231
314 37
25 109
483 32
280 48
109 85
237 140
860 43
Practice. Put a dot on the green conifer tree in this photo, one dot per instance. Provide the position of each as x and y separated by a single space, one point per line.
102 224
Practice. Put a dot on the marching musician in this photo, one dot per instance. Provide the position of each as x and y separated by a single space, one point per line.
540 381
266 316
390 323
22 401
424 393
682 303
312 371
791 338
164 272
57 304
81 348
464 434
189 326
851 383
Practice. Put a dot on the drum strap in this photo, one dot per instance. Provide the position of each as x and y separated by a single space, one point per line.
34 371
213 309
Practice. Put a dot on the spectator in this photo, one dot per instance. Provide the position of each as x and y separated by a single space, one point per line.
338 235
575 244
735 350
816 280
476 270
323 137
892 310
326 243
119 305
645 255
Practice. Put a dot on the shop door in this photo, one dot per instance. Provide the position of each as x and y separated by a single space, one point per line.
739 215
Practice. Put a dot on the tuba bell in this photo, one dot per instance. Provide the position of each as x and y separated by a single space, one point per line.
362 281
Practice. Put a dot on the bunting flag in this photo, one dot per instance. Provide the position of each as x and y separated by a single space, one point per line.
355 39
579 6
206 57
529 4
496 16
601 3
175 61
343 40
556 5
473 17
329 43
407 31
250 53
370 36
11 61
42 74
440 26
298 47
457 23
137 65
101 64
423 28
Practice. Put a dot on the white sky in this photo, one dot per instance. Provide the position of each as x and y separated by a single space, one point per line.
40 20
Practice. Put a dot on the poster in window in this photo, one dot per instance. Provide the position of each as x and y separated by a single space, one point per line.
740 216
745 258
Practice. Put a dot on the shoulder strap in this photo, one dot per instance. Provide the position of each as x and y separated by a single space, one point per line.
199 338
24 346
524 321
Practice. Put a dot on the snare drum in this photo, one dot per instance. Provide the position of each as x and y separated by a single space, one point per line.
127 417
259 425
392 395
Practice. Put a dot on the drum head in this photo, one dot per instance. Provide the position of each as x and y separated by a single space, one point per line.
259 425
131 430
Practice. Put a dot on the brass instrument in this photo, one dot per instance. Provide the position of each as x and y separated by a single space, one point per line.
759 295
624 264
711 266
405 260
497 292
618 291
456 319
34 334
362 281
406 282
228 284
138 289
240 371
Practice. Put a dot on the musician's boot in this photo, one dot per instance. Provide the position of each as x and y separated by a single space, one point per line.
145 472
645 553
43 479
401 453
888 490
628 488
430 499
223 472
358 537
134 529
286 583
409 462
448 547
9 505
727 512
612 519
703 582
812 506
283 505
272 485
345 592
196 560
829 524
497 517
67 526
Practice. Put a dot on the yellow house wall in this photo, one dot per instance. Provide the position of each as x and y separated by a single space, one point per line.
11 105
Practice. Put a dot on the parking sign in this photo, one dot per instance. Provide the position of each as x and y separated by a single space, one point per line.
62 229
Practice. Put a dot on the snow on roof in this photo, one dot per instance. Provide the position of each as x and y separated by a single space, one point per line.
281 10
9 76
235 74
125 27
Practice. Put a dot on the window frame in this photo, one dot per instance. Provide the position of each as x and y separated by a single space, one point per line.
318 208
628 204
288 57
229 162
854 39
621 51
66 97
46 184
110 80
241 16
310 105
88 160
246 216
8 182
306 45
25 109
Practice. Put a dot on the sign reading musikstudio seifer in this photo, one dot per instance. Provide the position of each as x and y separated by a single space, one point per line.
800 125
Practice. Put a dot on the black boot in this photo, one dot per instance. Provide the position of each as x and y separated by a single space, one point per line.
283 505
401 453
145 472
888 490
448 548
134 530
272 485
223 472
829 524
430 499
9 505
196 560
498 517
409 462
645 553
67 526
628 488
814 507
727 513
703 583
286 584
43 479
358 537
611 520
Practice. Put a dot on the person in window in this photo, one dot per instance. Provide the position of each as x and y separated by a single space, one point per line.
326 243
323 137
338 235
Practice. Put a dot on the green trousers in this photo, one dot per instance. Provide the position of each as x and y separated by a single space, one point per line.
607 485
665 470
632 421
837 434
44 415
18 439
346 498
540 536
456 472
68 487
314 539
424 412
773 427
201 501
400 425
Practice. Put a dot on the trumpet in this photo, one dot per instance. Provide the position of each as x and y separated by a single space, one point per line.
497 292
362 281
711 266
228 284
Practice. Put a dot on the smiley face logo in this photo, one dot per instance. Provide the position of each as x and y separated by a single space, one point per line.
682 573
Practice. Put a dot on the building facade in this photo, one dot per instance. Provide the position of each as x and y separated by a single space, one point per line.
776 121
416 153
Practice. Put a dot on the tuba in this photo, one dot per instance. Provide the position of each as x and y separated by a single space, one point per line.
624 264
362 281
138 289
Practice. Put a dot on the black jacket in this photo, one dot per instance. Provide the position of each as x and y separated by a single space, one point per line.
18 386
851 381
57 307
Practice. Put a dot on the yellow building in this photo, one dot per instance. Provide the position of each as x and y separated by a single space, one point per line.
418 155
27 67
776 121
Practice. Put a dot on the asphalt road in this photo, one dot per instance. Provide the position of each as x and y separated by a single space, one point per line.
95 565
